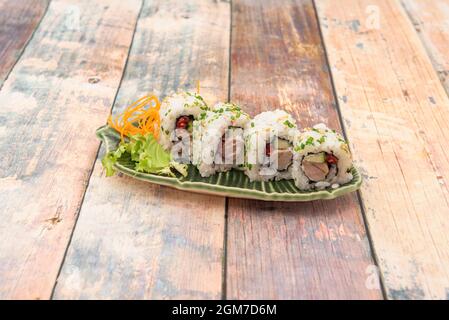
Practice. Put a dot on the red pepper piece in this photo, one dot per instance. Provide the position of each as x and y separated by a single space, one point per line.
182 122
331 159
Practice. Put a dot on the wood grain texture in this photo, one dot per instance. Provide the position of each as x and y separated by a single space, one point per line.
18 20
285 250
396 115
59 92
135 240
431 21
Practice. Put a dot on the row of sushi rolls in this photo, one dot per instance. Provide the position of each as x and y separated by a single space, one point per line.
268 147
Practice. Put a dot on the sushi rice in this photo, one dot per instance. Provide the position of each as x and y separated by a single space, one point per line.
173 107
313 149
264 130
268 147
218 144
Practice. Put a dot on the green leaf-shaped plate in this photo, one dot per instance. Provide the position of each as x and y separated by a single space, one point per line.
230 184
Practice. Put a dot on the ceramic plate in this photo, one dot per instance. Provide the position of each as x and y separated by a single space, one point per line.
230 184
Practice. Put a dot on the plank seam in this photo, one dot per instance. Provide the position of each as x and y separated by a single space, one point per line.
428 52
22 50
225 235
225 252
96 156
343 127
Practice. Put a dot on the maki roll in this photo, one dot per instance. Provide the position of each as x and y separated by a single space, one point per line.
268 144
218 139
177 114
321 159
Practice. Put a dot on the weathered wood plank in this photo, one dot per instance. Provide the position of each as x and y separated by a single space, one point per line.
431 21
59 92
137 240
18 20
285 250
396 113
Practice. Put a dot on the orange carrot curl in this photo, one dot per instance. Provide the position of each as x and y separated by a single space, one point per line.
140 117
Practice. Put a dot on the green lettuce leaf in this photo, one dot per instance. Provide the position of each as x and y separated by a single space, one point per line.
148 155
111 158
108 162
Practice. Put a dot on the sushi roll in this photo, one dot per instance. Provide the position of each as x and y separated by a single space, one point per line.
218 139
321 159
269 141
177 114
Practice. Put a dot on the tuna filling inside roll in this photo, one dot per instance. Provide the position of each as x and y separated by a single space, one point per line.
282 153
319 166
232 144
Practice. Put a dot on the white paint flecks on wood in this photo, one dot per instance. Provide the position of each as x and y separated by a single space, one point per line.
396 114
431 21
135 240
49 111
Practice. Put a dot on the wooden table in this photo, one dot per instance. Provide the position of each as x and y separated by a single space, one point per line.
375 69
